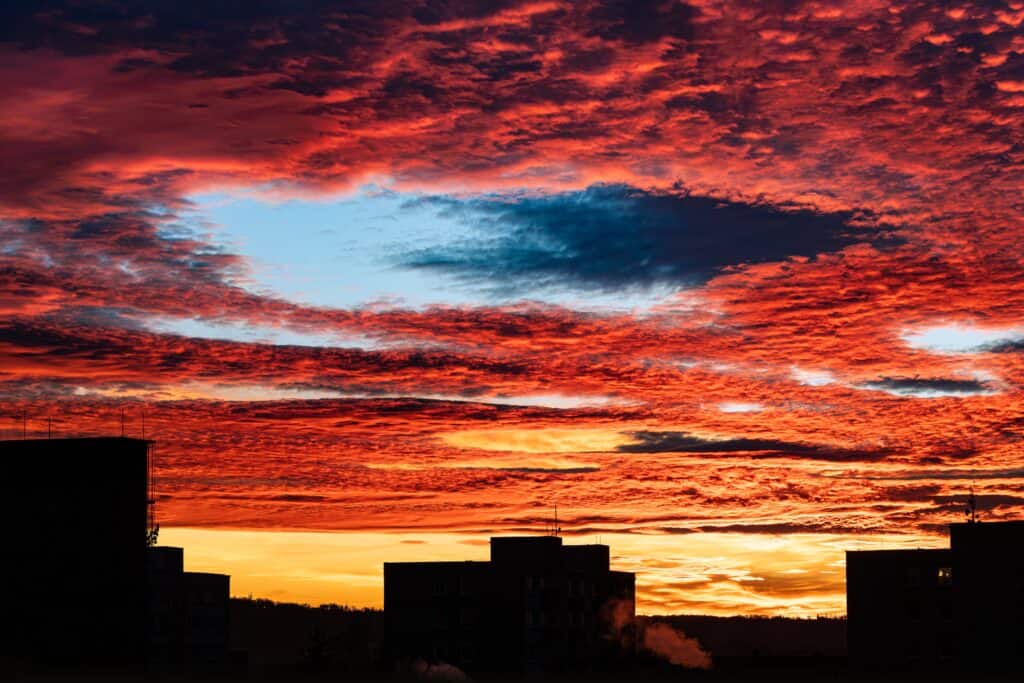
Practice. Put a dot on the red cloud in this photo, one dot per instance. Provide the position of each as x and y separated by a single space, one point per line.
906 115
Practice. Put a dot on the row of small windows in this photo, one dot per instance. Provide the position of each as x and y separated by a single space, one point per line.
944 647
943 608
533 584
536 617
943 576
461 650
574 586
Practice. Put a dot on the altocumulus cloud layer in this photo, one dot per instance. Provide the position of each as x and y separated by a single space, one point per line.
810 185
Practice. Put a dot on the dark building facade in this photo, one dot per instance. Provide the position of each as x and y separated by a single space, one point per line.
73 517
80 585
537 605
960 607
188 615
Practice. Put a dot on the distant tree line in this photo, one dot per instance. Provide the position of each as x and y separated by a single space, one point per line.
287 639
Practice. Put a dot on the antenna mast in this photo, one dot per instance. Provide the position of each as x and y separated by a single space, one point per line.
152 528
972 508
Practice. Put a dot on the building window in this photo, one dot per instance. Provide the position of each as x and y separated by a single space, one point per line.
945 576
945 645
913 576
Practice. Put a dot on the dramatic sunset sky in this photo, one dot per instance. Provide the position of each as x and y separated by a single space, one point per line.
735 285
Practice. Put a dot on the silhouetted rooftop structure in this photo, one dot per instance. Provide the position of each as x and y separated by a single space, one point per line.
959 607
187 622
537 605
78 586
73 518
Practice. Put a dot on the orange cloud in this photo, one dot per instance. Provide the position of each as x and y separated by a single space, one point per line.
903 118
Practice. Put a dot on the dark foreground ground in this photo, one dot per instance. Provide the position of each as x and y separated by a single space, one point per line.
681 676
278 642
767 670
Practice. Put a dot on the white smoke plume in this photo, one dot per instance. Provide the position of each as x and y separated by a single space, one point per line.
657 637
619 614
674 645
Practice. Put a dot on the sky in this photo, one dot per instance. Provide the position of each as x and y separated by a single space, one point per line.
736 286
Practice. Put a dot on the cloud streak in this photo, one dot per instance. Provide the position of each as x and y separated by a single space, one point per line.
681 442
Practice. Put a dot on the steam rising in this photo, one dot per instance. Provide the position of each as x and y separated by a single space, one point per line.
658 638
675 646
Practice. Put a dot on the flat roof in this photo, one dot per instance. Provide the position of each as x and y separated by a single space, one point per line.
438 564
56 441
898 551
1002 524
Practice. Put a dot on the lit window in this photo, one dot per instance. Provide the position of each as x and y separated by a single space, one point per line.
945 577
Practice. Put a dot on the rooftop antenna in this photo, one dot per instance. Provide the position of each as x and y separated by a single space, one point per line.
143 423
972 508
556 530
49 427
24 425
152 528
122 422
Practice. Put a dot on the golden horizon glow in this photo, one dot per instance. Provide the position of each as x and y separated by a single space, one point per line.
539 440
797 575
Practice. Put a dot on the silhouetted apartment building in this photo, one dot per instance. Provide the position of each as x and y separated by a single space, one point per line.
77 587
188 615
959 607
537 605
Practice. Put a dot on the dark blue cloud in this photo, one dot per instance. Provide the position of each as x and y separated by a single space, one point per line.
1009 346
930 387
683 442
614 237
